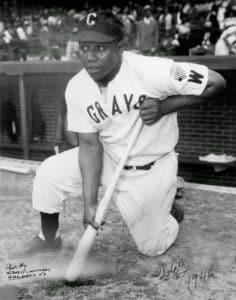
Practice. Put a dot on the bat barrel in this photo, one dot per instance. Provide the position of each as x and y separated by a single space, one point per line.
75 268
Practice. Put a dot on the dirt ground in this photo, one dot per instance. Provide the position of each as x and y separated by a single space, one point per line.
200 265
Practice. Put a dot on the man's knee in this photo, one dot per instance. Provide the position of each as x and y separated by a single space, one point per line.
46 195
48 171
159 243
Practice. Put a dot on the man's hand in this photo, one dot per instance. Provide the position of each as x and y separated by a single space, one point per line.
150 110
89 216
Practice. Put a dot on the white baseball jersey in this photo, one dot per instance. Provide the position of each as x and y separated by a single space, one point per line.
113 113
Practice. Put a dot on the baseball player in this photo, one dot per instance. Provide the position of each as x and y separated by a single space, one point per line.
104 101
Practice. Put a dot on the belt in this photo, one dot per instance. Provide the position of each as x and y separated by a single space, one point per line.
144 167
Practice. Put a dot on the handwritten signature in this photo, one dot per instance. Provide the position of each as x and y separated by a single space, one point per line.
21 271
180 271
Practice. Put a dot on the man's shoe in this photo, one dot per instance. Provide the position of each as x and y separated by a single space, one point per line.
177 212
179 193
38 245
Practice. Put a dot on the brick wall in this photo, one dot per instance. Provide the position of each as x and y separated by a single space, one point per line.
48 90
210 128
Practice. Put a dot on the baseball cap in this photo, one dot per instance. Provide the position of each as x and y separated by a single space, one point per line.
102 27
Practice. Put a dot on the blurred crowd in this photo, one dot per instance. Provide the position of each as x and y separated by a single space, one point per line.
177 27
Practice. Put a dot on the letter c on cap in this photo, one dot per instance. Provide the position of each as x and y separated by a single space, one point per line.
91 19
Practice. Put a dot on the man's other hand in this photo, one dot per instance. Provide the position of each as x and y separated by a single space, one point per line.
89 216
150 110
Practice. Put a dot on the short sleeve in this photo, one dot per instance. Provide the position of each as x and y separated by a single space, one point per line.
164 77
77 119
188 78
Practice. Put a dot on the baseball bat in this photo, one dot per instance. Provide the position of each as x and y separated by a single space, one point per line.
75 267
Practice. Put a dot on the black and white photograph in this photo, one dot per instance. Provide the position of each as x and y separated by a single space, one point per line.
118 149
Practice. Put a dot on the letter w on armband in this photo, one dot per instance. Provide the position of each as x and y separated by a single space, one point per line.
195 77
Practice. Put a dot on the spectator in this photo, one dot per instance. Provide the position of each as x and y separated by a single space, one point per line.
55 53
212 24
168 21
184 32
203 16
226 45
232 4
130 24
2 27
161 19
21 42
44 36
221 14
177 15
9 39
147 33
28 28
52 19
72 46
115 10
186 7
8 34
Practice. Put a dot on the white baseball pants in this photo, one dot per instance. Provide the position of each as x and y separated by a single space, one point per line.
143 197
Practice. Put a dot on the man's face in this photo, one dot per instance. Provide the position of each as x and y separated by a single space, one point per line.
147 13
99 59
